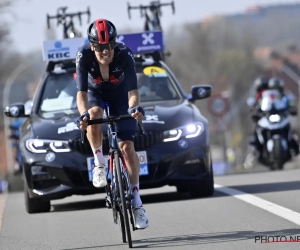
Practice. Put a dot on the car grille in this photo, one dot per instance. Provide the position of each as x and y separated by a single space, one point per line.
44 184
141 142
77 178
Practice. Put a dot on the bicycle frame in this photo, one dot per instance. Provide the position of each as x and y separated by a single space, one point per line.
113 142
113 146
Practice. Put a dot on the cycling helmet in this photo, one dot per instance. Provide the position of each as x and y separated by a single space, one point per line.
276 83
101 31
261 83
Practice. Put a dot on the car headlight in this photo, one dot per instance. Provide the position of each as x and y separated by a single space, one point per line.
41 146
274 118
188 131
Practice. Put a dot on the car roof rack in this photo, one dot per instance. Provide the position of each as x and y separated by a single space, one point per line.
71 64
64 64
155 57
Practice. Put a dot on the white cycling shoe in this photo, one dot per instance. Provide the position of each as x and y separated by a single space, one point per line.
140 217
99 176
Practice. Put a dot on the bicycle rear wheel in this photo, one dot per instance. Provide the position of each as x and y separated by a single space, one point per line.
123 208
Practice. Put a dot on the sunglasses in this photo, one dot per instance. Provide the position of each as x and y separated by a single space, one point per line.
101 47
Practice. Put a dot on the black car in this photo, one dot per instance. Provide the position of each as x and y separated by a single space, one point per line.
174 150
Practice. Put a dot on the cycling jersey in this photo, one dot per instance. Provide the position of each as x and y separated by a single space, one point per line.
122 78
121 70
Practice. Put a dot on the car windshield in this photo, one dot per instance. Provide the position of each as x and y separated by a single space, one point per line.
59 95
154 84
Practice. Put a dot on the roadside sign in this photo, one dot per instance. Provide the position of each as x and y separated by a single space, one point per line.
218 105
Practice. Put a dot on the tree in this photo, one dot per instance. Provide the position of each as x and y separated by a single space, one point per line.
3 30
3 38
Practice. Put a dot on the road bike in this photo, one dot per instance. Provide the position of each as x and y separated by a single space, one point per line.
118 189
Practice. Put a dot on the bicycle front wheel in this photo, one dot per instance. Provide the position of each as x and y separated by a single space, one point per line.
123 209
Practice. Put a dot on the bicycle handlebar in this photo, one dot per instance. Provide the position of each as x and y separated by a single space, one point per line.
113 119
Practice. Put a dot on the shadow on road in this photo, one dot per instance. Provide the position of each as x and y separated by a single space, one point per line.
174 196
198 239
97 204
79 205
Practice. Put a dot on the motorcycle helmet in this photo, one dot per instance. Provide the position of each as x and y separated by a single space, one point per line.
276 83
261 83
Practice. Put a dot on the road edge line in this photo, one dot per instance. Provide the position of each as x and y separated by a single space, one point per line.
3 198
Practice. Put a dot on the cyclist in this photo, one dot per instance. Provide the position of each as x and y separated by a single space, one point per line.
106 72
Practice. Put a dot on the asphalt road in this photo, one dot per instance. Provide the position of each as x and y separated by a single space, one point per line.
244 210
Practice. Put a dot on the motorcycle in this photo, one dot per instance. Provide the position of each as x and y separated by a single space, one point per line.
272 130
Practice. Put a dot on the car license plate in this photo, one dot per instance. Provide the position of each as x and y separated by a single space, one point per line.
143 164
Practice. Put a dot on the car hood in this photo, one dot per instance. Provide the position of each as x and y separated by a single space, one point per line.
159 116
167 115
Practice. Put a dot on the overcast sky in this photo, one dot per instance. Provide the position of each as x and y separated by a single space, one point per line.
29 23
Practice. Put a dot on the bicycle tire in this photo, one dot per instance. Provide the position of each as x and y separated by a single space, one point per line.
122 196
127 188
117 214
122 226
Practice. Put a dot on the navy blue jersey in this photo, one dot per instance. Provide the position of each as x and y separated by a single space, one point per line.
122 74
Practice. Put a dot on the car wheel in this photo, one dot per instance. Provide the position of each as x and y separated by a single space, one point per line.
35 205
203 188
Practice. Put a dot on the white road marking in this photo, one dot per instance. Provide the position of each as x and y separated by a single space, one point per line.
2 204
273 208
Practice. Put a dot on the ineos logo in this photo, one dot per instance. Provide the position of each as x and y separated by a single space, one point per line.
130 54
93 32
111 30
148 38
79 55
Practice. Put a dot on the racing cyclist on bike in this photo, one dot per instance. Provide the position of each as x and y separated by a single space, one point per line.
106 72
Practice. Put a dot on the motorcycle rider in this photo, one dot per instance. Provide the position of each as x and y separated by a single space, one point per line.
261 84
278 84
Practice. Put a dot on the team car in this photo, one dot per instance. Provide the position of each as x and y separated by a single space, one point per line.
173 151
